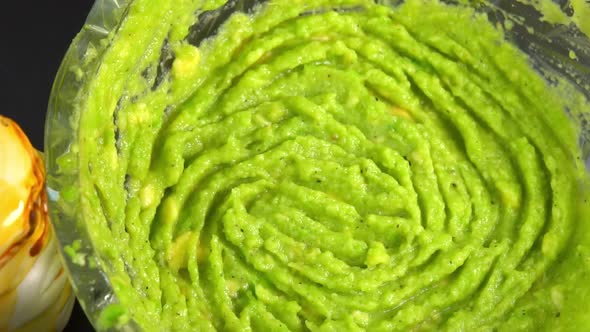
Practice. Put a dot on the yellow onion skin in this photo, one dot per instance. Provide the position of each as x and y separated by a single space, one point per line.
35 293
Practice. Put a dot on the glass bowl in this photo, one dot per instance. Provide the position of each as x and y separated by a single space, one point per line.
555 50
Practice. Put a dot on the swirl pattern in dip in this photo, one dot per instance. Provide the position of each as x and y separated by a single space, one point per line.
331 166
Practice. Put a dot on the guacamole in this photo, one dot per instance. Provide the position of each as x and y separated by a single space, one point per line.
330 165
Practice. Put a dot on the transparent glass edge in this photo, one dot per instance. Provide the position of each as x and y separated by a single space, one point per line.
81 260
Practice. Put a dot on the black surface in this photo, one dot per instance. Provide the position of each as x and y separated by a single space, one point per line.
34 37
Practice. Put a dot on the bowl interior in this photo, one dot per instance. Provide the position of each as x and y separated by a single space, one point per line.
555 50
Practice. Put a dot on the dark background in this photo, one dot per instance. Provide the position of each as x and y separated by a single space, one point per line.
34 36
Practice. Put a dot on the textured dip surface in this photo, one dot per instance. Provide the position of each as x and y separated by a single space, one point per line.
331 166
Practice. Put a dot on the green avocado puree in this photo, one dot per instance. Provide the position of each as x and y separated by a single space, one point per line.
331 165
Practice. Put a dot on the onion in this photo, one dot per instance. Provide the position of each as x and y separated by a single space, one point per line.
35 294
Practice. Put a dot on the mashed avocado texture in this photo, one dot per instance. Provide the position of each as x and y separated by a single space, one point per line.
331 165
